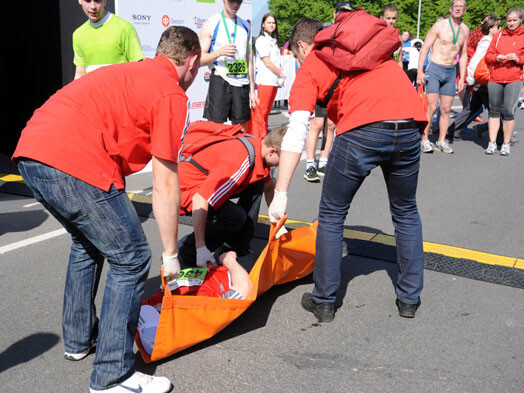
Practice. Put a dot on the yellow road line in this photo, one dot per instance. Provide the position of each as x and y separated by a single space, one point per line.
450 251
11 178
483 257
140 198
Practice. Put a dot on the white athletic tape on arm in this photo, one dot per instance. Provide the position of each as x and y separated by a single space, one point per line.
295 138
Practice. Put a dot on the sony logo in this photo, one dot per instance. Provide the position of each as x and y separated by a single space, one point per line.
141 17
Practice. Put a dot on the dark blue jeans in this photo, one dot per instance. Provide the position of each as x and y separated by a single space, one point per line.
102 225
353 156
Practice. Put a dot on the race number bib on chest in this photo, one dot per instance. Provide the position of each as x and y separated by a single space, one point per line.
189 278
237 68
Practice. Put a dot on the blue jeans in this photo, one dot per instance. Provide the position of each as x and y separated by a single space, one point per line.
102 225
353 156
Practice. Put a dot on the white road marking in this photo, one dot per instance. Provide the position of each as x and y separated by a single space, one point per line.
32 204
32 240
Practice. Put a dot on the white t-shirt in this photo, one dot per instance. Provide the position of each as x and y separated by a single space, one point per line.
266 46
219 38
414 55
481 50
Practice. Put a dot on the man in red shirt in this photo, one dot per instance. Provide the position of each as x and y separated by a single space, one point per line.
74 154
366 138
216 219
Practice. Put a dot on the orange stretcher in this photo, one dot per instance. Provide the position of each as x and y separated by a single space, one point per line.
189 320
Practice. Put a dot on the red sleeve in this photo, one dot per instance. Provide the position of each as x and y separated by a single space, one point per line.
169 121
303 94
491 53
520 51
225 178
312 82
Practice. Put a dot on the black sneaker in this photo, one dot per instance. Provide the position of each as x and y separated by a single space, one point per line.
407 310
311 174
325 312
321 171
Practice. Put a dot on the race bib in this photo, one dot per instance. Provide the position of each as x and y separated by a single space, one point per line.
189 278
237 69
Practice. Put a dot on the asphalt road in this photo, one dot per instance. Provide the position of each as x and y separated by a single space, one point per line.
467 337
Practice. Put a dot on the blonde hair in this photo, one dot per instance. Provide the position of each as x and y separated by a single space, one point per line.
515 10
274 138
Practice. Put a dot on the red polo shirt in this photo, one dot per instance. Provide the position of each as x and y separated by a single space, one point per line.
108 124
229 174
384 93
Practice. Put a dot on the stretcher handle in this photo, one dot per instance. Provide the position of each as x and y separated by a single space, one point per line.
167 291
275 227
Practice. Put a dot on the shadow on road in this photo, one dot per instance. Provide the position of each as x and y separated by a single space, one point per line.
21 221
353 268
27 349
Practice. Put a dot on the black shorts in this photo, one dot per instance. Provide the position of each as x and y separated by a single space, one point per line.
225 102
320 111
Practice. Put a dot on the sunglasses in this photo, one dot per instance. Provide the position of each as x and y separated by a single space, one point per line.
235 1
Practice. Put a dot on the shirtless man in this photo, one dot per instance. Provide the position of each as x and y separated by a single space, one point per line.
447 38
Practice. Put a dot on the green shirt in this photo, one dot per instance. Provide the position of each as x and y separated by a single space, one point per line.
110 41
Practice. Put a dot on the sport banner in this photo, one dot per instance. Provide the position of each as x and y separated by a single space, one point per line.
151 17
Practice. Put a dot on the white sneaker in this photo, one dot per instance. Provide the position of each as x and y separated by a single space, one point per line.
504 150
444 147
427 146
139 382
492 148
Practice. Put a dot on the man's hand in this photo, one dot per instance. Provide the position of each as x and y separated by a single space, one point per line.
227 50
513 57
501 58
460 86
227 257
171 266
421 78
204 256
278 206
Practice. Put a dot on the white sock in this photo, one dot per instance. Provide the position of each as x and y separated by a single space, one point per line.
322 162
310 163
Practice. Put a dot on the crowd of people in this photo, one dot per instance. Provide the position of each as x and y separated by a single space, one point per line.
77 149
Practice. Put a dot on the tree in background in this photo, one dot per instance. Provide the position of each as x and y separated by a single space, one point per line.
289 12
